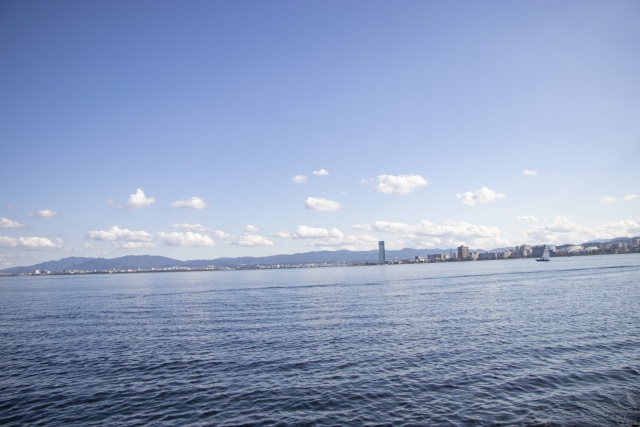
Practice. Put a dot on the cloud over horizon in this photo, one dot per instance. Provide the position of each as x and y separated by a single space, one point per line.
300 179
188 238
320 172
27 243
191 227
123 238
529 172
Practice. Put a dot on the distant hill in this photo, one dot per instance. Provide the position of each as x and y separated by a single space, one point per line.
135 262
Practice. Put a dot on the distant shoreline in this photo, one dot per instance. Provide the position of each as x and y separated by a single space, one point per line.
278 266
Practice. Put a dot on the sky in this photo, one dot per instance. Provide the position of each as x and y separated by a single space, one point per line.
200 129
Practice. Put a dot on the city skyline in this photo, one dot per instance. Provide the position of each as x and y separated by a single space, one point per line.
221 130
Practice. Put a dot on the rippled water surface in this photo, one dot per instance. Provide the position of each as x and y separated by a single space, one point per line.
470 344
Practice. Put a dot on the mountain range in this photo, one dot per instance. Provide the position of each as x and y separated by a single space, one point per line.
135 262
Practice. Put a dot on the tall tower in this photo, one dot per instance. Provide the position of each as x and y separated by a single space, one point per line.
381 252
463 252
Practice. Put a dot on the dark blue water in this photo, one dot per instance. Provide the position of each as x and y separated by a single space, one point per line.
468 344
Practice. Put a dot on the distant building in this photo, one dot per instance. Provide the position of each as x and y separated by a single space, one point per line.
436 257
36 271
635 242
463 252
421 259
381 258
473 256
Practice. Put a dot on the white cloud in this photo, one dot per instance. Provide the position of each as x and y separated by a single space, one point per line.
608 199
44 214
629 197
304 232
320 172
10 207
190 203
482 195
123 238
250 228
223 236
253 240
138 200
451 233
561 230
110 201
329 239
190 227
361 242
300 179
282 234
530 218
246 240
132 245
28 242
7 223
186 239
399 184
529 172
88 246
365 227
320 204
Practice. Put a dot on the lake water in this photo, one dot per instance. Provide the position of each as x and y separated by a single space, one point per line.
463 344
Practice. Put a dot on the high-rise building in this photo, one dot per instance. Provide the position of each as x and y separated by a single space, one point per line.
463 252
381 252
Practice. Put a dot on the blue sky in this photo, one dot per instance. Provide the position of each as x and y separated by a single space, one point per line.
423 114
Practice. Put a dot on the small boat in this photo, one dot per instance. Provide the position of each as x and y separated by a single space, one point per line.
545 255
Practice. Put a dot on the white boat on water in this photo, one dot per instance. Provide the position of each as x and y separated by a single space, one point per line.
545 255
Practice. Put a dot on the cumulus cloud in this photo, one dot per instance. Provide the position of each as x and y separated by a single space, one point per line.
190 203
7 223
123 238
44 214
138 200
530 218
246 240
320 172
451 233
27 242
399 184
320 204
185 239
190 227
347 242
629 197
529 172
365 227
304 232
282 234
608 199
253 240
562 229
250 228
300 179
330 239
483 195
110 201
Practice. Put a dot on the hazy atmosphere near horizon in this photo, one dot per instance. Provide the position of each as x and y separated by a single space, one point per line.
198 130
